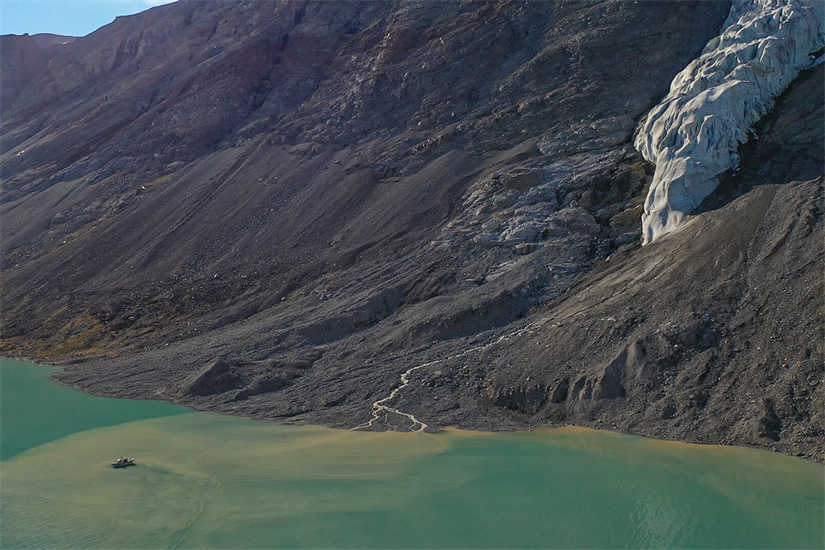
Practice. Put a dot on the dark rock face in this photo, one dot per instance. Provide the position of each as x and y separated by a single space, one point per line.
21 60
243 379
208 195
218 377
769 424
524 397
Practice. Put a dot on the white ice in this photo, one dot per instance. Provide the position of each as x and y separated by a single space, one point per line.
692 136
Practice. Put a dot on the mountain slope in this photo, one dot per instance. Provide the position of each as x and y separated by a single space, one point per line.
276 209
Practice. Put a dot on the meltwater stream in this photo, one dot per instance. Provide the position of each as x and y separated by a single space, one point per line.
209 481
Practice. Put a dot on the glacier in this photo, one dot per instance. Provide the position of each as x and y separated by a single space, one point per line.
692 136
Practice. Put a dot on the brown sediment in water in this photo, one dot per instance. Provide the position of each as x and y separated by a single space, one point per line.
200 475
607 441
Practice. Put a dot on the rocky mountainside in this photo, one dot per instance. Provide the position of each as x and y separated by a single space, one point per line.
296 210
21 59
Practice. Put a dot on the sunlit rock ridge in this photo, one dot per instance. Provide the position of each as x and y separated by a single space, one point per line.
693 134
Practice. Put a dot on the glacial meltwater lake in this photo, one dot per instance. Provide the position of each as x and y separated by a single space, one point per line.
204 480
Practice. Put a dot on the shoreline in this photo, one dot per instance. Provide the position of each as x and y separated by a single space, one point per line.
474 428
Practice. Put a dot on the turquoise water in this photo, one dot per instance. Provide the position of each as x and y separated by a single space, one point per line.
34 411
210 481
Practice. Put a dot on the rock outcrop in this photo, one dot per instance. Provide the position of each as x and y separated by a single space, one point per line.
22 58
239 379
20 61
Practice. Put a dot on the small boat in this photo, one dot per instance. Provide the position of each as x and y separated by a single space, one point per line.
122 462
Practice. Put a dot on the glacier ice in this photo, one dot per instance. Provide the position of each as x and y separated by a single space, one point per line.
693 134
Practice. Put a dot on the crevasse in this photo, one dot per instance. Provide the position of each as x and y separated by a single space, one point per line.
692 136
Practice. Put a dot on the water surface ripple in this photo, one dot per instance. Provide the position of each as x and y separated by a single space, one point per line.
209 481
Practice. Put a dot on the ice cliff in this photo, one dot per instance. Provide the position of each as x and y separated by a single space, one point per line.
692 136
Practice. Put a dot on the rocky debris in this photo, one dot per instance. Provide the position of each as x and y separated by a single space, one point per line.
769 425
526 248
242 378
526 397
560 392
277 152
21 60
605 384
629 362
351 184
217 377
